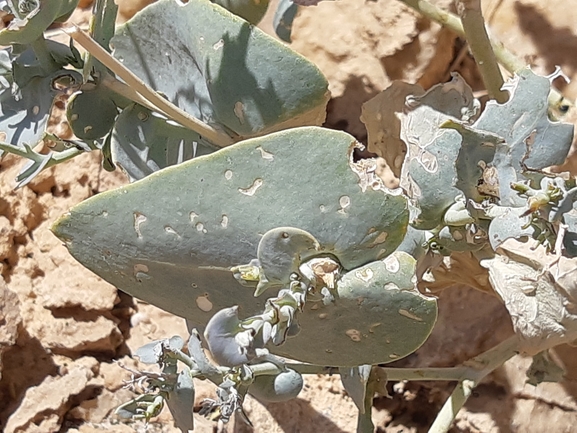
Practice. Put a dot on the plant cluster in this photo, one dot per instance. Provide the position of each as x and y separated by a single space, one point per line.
264 230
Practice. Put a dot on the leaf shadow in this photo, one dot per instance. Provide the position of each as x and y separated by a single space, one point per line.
553 43
461 333
24 365
296 415
234 81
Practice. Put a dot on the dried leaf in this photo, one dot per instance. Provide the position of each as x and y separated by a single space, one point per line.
538 290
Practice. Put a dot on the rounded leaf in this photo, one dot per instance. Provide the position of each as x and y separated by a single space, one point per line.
172 237
277 388
280 253
376 316
81 113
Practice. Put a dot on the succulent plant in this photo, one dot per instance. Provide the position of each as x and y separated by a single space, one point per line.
353 222
267 232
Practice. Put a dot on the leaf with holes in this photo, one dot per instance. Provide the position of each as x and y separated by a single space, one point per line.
175 234
143 142
220 69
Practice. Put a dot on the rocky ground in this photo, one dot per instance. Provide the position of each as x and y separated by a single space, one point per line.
65 334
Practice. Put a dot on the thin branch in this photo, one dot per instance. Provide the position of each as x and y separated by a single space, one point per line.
478 40
479 367
435 13
445 374
507 59
451 21
160 104
441 374
102 25
364 417
452 406
28 153
126 91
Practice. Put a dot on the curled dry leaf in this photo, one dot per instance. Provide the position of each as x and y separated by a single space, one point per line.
381 116
539 291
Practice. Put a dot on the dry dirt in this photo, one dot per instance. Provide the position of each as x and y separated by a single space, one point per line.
62 329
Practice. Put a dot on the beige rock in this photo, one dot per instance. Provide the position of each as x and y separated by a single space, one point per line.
7 236
48 272
507 403
154 324
322 406
65 364
360 57
203 389
104 427
113 374
469 322
79 332
99 408
88 293
538 32
10 319
71 285
48 424
49 401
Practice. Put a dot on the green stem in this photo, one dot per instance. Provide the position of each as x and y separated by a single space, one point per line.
103 22
478 39
65 155
55 157
507 59
373 385
428 374
102 26
452 406
446 374
477 369
184 358
393 373
266 368
435 13
364 418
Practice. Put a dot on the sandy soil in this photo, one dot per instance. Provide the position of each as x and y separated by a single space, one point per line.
64 332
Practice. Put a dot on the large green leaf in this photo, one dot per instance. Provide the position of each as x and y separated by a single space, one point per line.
171 238
220 69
